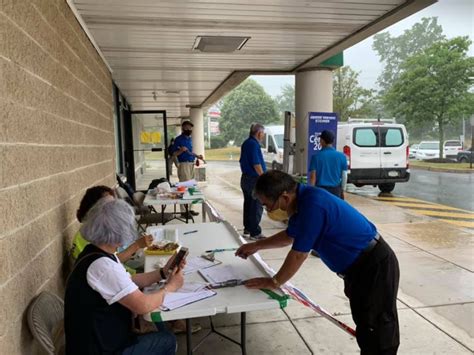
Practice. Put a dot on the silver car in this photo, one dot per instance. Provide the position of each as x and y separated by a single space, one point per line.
412 151
427 150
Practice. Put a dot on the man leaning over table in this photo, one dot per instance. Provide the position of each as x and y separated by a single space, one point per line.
347 243
183 150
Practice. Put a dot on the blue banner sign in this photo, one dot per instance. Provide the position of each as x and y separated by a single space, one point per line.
318 122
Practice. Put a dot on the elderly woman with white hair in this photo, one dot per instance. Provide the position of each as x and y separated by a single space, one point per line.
101 297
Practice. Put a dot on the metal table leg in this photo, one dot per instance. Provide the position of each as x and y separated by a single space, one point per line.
242 344
243 335
189 341
163 207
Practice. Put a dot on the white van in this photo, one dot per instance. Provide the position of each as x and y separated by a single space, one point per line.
377 152
272 147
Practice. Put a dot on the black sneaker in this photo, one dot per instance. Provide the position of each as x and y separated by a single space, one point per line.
257 237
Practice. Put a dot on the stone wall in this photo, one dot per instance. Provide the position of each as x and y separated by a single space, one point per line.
56 139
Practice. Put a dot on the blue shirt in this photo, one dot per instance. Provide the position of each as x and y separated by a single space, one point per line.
250 155
329 225
329 165
183 141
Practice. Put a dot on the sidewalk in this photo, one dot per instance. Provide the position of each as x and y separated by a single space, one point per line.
436 296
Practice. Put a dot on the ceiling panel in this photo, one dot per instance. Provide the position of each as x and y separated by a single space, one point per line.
148 43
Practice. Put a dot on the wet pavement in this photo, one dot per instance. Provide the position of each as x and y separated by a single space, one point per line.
436 295
450 189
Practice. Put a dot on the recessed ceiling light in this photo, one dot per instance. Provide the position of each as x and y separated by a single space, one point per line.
219 44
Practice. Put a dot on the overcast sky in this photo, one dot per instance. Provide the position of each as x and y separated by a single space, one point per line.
455 16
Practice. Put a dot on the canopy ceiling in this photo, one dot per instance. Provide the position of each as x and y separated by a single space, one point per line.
148 44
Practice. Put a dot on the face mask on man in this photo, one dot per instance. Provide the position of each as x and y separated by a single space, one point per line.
187 132
278 215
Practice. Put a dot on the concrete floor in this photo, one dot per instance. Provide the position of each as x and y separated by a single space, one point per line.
436 296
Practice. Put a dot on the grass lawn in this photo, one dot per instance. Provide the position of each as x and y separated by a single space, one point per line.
229 153
447 166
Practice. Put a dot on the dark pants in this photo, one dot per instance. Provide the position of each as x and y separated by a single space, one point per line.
253 209
162 342
335 190
371 284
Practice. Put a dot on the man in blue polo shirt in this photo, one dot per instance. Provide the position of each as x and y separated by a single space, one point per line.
182 149
348 244
252 166
328 168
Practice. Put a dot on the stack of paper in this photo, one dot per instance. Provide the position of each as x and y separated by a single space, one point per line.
175 300
190 292
198 263
219 274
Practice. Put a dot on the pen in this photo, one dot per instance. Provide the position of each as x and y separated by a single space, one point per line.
219 250
189 232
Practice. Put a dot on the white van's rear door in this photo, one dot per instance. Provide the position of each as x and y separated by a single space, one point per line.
365 152
393 144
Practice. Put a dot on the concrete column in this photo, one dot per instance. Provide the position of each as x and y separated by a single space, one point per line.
198 130
313 93
177 130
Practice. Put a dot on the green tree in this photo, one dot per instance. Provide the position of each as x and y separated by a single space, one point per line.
286 100
434 86
393 51
246 104
349 98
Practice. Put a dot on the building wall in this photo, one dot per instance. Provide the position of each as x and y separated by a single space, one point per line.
56 139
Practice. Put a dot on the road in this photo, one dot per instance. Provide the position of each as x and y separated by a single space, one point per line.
451 189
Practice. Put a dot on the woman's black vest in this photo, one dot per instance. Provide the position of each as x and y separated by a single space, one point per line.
91 325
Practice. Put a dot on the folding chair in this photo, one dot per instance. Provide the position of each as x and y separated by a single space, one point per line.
46 322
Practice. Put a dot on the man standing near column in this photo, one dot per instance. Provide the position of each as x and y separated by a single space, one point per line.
328 168
252 166
183 150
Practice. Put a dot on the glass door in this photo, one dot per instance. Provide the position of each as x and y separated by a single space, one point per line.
146 157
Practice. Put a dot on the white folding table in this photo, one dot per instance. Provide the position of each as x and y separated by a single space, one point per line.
186 200
237 299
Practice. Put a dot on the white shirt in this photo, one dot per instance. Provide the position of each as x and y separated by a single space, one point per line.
110 279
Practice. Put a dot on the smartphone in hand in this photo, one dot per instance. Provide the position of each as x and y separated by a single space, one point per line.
182 254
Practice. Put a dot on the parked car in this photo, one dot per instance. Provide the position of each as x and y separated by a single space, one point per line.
465 156
427 150
451 148
377 152
412 151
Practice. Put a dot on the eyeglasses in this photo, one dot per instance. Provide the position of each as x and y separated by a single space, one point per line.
272 208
